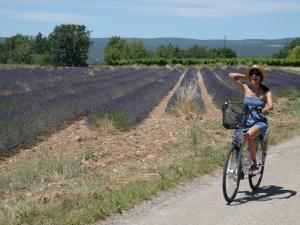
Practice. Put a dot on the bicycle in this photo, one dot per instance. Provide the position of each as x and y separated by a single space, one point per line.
238 161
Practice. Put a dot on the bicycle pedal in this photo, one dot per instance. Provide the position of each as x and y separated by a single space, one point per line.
242 176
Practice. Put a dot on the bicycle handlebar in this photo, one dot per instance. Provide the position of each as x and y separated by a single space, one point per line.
256 108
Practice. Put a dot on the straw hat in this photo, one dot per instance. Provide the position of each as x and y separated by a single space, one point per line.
263 71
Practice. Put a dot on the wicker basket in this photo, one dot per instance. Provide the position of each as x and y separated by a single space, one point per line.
234 115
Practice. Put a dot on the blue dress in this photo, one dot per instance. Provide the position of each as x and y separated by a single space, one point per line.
255 118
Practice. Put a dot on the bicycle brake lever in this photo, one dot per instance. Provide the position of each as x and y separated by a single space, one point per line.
259 109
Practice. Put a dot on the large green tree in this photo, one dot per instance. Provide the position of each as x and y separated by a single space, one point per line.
285 51
41 44
294 53
3 53
223 53
116 49
19 49
138 50
197 51
42 50
70 45
169 51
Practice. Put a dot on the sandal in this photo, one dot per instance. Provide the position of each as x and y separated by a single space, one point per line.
253 167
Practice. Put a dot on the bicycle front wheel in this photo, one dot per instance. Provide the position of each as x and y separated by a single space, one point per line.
231 174
255 177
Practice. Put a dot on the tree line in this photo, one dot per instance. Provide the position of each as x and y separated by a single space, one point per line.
120 49
68 45
290 51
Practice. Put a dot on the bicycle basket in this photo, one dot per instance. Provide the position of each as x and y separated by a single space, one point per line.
234 115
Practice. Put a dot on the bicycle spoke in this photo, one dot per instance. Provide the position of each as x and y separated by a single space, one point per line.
230 176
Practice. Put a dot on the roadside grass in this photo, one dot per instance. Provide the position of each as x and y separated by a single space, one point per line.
96 197
27 175
290 94
285 120
51 190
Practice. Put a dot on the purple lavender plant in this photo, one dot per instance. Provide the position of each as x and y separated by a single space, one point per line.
188 90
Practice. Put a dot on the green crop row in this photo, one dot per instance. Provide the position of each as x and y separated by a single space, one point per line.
207 61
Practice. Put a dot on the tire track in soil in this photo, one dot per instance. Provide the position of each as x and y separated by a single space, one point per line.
211 109
159 110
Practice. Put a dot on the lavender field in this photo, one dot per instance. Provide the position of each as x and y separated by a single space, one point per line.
34 102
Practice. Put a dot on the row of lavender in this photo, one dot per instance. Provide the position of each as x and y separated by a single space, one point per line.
218 87
99 86
136 105
188 90
27 115
222 89
19 80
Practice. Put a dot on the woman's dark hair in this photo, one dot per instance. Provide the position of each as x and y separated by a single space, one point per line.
265 88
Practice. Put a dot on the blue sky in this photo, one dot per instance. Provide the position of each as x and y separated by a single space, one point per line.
199 19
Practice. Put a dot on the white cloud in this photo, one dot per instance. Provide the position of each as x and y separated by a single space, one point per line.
48 17
195 8
222 8
174 8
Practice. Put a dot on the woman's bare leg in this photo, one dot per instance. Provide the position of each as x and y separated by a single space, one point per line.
252 133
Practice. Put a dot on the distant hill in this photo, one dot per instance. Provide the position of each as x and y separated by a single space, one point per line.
259 48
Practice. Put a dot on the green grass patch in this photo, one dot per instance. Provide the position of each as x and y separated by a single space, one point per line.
285 120
185 107
27 175
197 133
88 154
290 94
118 119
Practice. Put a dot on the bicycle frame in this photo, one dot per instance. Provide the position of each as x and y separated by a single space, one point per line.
239 140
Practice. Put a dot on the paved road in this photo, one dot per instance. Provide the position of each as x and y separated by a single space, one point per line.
202 202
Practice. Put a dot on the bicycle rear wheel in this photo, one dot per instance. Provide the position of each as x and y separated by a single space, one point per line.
231 175
255 177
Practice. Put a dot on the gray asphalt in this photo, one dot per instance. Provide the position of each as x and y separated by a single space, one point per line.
202 202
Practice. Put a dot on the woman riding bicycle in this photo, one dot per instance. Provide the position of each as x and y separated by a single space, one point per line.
256 95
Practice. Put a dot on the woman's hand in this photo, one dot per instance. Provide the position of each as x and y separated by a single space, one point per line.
264 111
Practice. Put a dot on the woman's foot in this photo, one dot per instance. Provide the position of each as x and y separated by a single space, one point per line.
253 167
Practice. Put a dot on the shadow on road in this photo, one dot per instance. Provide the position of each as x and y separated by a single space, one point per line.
265 193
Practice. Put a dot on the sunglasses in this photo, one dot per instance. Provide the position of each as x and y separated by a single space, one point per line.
255 74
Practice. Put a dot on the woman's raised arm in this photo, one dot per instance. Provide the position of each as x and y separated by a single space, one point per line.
236 77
